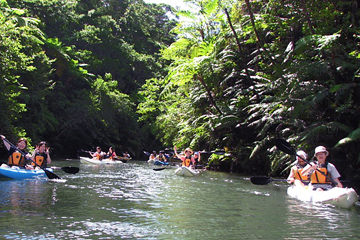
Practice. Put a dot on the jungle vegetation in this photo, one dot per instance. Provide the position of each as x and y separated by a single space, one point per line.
230 74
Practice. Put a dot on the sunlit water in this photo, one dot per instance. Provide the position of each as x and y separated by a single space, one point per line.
132 201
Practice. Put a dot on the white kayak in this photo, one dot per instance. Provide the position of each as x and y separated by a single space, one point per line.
99 162
186 171
340 197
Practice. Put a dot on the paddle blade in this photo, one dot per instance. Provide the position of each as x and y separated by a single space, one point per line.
219 152
260 180
51 175
159 169
72 170
284 146
168 151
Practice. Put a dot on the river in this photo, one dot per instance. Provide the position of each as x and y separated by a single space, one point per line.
132 201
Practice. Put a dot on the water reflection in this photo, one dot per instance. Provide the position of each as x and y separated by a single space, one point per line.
131 201
324 221
29 197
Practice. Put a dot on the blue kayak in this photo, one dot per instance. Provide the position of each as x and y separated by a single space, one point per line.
16 173
161 163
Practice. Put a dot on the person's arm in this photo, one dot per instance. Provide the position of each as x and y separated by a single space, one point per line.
335 175
35 152
7 145
310 168
193 161
291 177
48 156
175 152
339 184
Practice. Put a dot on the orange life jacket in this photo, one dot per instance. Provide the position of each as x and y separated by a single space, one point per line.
186 162
39 159
16 159
317 177
112 156
98 156
298 174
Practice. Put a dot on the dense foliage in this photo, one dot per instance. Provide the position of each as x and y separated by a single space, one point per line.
231 74
70 71
244 73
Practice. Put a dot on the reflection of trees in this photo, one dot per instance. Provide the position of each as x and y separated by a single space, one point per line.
27 198
322 220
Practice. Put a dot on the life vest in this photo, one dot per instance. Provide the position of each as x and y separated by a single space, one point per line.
112 156
317 177
162 158
39 159
298 174
98 156
16 159
187 162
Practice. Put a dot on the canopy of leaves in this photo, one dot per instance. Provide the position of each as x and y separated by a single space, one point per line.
70 70
244 73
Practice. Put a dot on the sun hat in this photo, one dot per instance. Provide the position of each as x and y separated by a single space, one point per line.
302 154
188 149
320 149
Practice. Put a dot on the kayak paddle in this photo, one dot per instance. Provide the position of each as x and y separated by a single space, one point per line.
72 170
159 169
259 180
284 146
49 174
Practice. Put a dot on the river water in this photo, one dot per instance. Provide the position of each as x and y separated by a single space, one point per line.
132 201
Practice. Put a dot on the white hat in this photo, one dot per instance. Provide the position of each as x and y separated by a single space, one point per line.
321 149
302 154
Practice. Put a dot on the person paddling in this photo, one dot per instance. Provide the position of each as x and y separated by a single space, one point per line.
187 160
296 176
99 155
161 157
318 180
152 157
16 159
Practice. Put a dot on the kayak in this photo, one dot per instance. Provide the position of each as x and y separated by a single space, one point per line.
96 161
20 173
157 162
339 197
186 171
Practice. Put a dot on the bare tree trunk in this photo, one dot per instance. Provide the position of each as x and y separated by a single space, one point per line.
211 99
261 42
239 46
311 25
